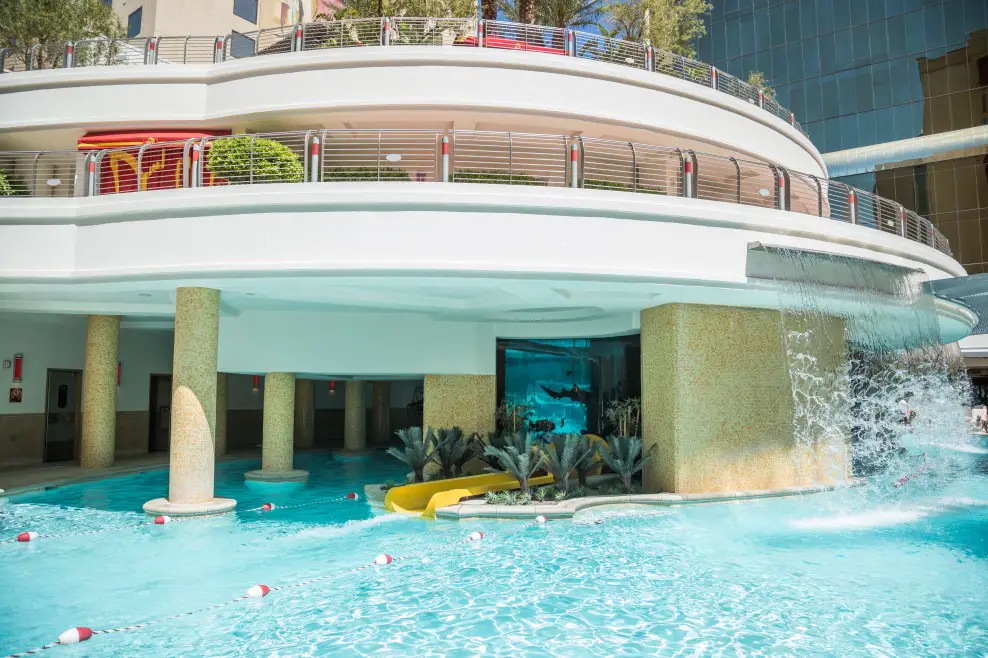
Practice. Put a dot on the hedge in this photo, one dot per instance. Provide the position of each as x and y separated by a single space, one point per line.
231 158
495 176
6 189
348 174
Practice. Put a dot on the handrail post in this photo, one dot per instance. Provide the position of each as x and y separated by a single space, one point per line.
445 159
761 99
140 164
737 171
902 219
713 77
386 31
90 189
186 162
687 175
481 32
781 191
314 157
574 164
297 38
649 58
29 64
852 205
634 167
3 60
69 59
96 170
150 51
570 43
194 177
792 119
219 49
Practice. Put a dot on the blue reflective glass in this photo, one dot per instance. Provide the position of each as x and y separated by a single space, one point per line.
763 30
828 54
848 131
863 89
876 10
975 15
795 54
811 58
895 28
134 22
718 42
814 100
704 50
866 131
953 19
900 71
878 41
733 36
763 63
845 84
778 26
935 32
807 18
830 106
747 28
882 84
791 11
824 17
780 64
246 9
844 49
915 32
747 65
862 50
241 46
831 135
842 14
797 99
884 123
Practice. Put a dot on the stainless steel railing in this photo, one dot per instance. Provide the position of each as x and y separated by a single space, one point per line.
387 31
455 156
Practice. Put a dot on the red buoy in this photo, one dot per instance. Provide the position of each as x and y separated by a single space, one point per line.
352 496
382 559
267 507
75 635
258 591
162 520
27 536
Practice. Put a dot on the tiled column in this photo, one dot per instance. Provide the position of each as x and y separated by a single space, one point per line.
99 397
305 413
193 415
355 418
464 401
277 447
222 395
717 401
381 413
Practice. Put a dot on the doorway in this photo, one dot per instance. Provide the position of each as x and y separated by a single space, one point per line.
62 414
160 413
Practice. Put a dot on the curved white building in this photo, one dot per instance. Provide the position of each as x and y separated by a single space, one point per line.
409 211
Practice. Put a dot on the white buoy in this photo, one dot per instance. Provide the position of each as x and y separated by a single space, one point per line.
258 591
540 519
75 635
475 536
382 559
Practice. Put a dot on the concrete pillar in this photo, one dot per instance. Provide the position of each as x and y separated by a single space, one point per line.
717 401
465 401
222 395
193 414
381 413
277 444
355 418
305 413
99 397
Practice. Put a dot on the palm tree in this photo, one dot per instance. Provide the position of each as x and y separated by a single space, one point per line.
563 456
520 457
560 13
623 455
488 9
452 451
414 451
588 449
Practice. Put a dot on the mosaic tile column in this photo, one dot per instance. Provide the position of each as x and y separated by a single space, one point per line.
717 401
464 401
381 413
222 395
278 444
193 414
99 397
305 413
355 418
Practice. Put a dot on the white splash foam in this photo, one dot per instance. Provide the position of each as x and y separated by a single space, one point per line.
353 527
877 518
961 447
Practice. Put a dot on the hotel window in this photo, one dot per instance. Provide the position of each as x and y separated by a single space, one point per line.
246 9
241 45
134 23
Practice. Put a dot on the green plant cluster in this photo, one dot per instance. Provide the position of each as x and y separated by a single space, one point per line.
6 187
247 158
450 449
361 174
496 177
598 184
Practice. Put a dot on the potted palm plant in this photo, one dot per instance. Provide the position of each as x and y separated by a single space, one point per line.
520 457
414 451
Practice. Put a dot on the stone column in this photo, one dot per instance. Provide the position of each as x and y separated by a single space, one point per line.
193 415
277 445
305 413
465 401
222 395
355 418
717 401
381 413
99 397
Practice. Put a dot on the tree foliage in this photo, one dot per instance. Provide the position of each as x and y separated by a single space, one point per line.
430 8
672 25
559 13
414 451
452 451
758 80
563 456
246 158
623 455
6 188
25 23
521 456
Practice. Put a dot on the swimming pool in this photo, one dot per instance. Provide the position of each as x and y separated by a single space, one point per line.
868 571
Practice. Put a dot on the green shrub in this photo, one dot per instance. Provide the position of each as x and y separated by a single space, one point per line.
495 177
362 174
235 158
6 188
598 184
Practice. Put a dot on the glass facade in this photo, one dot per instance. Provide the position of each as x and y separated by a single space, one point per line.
860 72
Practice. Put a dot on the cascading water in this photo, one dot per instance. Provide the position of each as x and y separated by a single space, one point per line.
872 386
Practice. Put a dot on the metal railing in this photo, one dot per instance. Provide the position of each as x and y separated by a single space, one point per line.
455 156
387 31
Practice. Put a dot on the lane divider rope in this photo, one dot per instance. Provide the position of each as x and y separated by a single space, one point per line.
269 507
79 634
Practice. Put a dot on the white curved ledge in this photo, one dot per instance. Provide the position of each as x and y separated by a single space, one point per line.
430 85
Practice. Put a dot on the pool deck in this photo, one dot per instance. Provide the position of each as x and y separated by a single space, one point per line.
479 509
23 479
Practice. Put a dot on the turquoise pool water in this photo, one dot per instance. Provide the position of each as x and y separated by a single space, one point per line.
868 571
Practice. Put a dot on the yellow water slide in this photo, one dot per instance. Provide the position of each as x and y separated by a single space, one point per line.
426 497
